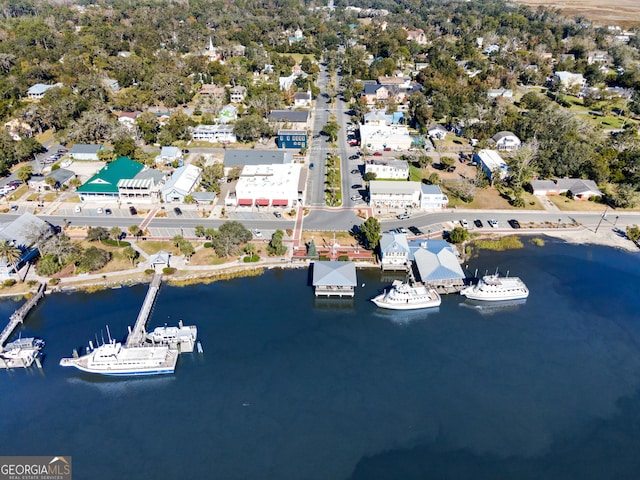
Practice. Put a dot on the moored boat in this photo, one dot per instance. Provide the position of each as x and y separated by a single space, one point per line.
115 359
493 288
173 335
21 352
406 296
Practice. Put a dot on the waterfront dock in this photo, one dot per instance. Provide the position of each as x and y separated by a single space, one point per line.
138 333
20 314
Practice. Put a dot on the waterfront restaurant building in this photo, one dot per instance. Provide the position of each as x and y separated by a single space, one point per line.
394 251
334 279
436 265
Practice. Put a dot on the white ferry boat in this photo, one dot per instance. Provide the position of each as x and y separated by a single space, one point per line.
492 288
404 296
21 352
173 335
114 359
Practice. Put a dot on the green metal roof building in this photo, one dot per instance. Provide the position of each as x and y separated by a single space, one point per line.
104 184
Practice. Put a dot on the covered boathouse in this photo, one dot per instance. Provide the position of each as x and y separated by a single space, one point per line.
334 279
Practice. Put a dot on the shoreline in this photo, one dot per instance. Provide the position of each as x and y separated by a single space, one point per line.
187 275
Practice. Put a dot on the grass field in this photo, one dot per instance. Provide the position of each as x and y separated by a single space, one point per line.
625 13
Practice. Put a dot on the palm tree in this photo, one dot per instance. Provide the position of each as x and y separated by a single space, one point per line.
10 253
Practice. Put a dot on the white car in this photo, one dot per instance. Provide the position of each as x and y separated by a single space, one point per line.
355 198
257 233
464 223
493 223
99 210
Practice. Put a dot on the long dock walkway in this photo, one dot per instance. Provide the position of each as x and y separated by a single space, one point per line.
136 337
20 314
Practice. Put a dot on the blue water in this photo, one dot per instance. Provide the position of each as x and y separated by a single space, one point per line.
291 387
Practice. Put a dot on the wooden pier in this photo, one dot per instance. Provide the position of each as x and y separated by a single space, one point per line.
19 315
137 335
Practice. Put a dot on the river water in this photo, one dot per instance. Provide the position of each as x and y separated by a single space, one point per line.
292 387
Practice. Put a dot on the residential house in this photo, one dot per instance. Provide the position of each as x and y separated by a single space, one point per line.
388 169
417 36
181 183
238 94
570 80
214 133
297 36
599 56
302 99
334 279
128 119
578 188
228 114
432 198
394 251
437 132
500 93
82 151
491 163
374 92
37 91
168 155
506 141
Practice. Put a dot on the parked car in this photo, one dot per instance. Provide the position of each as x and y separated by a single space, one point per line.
493 223
99 210
257 233
478 223
402 230
356 185
514 223
311 166
452 168
355 171
354 143
355 198
14 208
108 211
277 214
415 230
177 211
464 223
377 154
403 216
473 163
387 149
132 210
77 209
354 157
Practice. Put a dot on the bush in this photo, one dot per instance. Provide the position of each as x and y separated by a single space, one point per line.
168 270
54 281
207 244
8 283
252 258
149 271
343 258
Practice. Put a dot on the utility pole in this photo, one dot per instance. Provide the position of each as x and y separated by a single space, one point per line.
602 217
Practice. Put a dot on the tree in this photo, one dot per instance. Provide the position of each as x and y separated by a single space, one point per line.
331 129
633 233
369 176
199 230
177 240
135 230
24 173
93 259
434 179
97 233
10 253
458 235
131 253
228 238
447 162
116 232
370 231
51 182
250 128
186 249
276 246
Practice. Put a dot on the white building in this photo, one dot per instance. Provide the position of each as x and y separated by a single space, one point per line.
506 141
391 194
274 185
491 162
432 198
388 169
37 91
183 181
238 94
214 133
394 251
437 131
169 154
379 137
569 80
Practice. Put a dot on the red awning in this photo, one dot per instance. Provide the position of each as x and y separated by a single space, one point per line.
245 202
279 203
262 202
